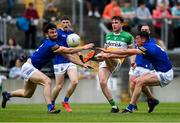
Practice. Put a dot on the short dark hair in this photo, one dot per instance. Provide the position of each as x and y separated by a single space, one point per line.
178 3
65 18
31 4
49 26
118 18
144 34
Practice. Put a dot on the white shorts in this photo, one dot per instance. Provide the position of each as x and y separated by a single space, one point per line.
165 77
62 68
138 71
27 70
113 66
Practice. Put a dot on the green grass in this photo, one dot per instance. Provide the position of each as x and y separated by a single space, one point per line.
165 112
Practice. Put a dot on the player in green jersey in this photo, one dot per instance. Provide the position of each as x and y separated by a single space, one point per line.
113 41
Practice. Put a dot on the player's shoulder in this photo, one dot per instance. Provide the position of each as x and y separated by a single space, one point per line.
59 31
110 34
127 34
49 42
148 46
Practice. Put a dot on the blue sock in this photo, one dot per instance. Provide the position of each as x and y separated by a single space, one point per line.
49 106
131 107
53 102
9 95
66 99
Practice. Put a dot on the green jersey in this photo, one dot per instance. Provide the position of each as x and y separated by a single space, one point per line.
121 40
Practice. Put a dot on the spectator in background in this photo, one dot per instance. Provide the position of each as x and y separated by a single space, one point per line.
32 15
93 4
151 5
15 72
161 14
176 16
11 44
10 52
112 9
10 4
51 13
164 2
128 12
143 14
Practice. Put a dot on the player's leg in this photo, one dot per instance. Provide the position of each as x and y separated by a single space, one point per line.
151 100
132 87
132 84
26 92
40 78
104 75
59 71
59 78
73 76
149 79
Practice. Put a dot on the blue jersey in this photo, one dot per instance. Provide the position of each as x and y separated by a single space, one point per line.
141 61
62 36
157 57
43 54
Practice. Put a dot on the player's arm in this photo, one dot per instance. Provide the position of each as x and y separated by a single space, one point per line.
132 58
129 52
73 59
65 50
113 56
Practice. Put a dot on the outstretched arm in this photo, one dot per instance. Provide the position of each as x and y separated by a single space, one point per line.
112 56
76 61
65 50
123 51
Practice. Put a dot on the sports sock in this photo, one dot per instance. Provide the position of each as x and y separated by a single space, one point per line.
94 58
53 102
131 107
112 102
9 95
49 106
66 99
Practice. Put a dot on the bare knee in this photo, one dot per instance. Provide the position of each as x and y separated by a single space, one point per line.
28 94
139 83
47 82
103 83
74 82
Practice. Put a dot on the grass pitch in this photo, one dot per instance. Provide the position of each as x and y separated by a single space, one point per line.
164 112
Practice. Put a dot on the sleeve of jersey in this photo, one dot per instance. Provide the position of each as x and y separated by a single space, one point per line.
131 41
53 45
143 49
149 50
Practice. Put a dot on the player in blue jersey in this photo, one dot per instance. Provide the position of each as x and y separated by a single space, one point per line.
141 67
162 74
31 68
63 65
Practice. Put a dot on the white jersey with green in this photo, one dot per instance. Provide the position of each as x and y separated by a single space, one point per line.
121 40
114 42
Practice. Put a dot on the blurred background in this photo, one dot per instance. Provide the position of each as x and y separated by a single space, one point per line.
91 20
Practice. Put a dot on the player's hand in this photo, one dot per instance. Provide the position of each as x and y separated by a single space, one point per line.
87 66
88 46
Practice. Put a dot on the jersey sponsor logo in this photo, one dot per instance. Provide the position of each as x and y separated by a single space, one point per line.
116 44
